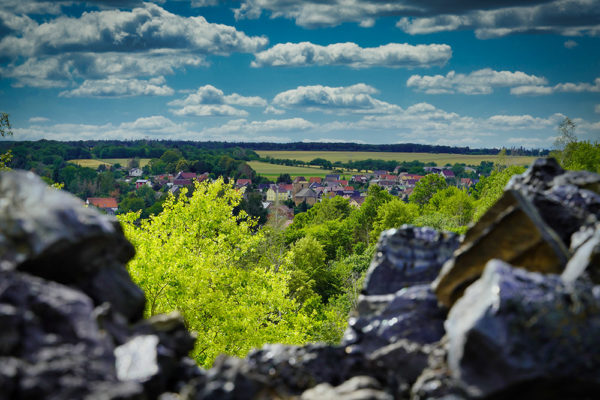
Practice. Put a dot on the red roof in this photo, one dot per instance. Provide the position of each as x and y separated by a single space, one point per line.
243 182
103 202
313 179
186 175
349 188
447 173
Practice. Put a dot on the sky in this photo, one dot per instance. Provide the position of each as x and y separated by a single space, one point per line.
369 71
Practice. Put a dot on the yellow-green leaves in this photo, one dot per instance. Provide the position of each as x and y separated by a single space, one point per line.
193 257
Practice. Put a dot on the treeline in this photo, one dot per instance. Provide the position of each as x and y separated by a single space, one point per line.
392 148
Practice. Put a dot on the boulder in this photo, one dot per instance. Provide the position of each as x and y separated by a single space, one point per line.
408 256
357 388
50 233
514 328
586 258
51 346
513 231
412 313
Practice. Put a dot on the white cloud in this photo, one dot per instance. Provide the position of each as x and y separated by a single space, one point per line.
274 110
141 29
65 69
348 99
210 110
143 42
564 17
482 81
498 18
597 109
558 88
245 127
37 120
569 44
393 55
210 101
116 87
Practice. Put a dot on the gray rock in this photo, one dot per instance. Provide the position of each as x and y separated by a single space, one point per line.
412 313
408 256
357 388
49 233
514 328
59 352
586 259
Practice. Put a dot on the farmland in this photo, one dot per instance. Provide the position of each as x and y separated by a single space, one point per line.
440 159
95 163
272 171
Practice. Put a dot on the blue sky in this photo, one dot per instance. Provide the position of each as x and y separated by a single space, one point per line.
372 71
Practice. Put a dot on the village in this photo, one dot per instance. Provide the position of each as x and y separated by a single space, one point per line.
302 192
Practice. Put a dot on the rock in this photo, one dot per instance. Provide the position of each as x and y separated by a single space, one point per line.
408 256
49 233
357 388
586 258
513 231
412 313
514 328
58 351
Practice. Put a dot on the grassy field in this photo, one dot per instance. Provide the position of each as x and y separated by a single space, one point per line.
440 159
95 163
272 171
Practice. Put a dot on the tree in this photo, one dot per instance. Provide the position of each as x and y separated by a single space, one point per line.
193 257
426 188
5 130
284 178
393 214
571 153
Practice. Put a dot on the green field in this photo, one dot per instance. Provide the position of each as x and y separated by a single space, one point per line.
440 159
95 163
273 171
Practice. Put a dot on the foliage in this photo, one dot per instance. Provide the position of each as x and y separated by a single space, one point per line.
393 214
571 153
193 256
426 188
5 130
490 189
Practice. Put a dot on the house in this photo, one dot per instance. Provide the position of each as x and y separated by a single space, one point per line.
356 201
359 178
263 186
185 175
141 182
432 170
298 185
466 182
202 177
135 172
108 204
279 193
349 188
448 174
314 179
332 177
378 173
305 195
182 182
298 179
243 182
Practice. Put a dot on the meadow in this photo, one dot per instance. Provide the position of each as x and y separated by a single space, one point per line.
95 163
440 159
272 171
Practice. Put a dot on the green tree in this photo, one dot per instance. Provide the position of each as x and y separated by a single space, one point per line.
571 153
490 189
426 188
5 130
393 214
284 178
193 257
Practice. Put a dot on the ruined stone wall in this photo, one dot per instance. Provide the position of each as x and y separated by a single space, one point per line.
510 310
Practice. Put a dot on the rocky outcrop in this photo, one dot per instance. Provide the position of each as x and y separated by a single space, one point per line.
71 322
513 313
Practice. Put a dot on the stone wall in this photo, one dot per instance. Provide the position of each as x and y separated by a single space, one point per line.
510 310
